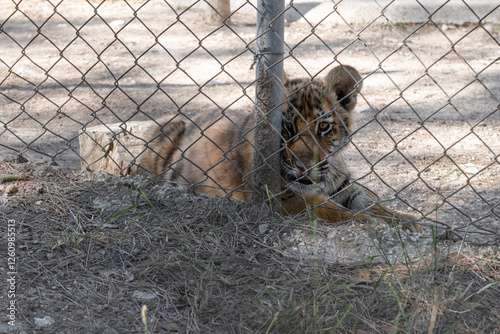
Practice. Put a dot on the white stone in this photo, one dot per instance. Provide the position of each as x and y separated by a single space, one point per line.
44 322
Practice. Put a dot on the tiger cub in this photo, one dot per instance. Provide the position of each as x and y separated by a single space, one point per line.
212 152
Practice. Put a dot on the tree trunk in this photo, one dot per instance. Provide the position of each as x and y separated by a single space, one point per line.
218 11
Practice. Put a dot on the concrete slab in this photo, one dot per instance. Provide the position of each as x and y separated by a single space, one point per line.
362 12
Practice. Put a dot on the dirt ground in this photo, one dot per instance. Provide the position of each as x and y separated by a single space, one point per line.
91 249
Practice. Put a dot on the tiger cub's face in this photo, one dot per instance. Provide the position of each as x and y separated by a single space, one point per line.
316 125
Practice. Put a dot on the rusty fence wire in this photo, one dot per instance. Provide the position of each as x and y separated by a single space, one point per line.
82 82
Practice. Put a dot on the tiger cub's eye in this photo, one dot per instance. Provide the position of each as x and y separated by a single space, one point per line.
324 127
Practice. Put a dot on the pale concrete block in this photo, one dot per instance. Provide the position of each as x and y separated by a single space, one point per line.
113 147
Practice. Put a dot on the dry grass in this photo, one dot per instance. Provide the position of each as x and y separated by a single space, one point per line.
92 250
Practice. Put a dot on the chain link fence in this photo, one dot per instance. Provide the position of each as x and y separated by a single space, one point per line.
81 82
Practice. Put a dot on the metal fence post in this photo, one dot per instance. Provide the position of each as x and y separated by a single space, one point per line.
269 98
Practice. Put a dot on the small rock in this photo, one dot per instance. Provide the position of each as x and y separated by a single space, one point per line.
44 322
470 168
11 189
143 295
116 23
174 327
445 27
263 228
129 277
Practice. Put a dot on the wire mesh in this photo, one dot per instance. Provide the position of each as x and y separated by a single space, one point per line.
424 136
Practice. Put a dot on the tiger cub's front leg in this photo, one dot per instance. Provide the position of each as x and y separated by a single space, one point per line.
327 210
321 207
395 218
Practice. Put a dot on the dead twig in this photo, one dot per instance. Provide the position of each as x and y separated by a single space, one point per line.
12 177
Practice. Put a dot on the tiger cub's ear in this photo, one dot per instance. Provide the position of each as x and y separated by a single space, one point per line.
343 84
